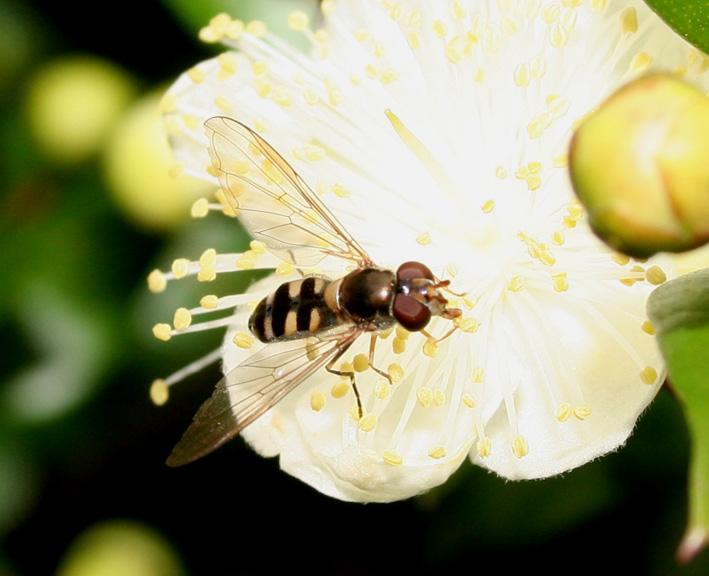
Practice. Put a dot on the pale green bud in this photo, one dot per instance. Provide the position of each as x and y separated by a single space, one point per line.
73 102
640 166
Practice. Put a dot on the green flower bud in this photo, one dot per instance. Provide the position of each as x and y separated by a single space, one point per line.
640 166
142 175
73 102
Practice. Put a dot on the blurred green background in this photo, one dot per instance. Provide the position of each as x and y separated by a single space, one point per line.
85 214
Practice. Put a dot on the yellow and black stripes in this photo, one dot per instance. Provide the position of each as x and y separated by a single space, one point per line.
294 310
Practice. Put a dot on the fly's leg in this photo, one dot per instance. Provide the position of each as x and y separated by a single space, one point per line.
370 360
349 373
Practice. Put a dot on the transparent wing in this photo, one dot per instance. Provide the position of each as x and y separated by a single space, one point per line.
256 385
273 201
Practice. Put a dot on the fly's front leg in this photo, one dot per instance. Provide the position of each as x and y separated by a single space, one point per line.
372 345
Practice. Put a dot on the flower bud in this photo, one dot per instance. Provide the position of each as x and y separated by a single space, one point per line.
141 173
73 103
640 166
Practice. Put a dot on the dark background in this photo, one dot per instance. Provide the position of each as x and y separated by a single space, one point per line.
234 512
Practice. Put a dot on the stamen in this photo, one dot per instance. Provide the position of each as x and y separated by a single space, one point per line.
437 452
317 400
340 390
368 422
392 458
436 171
157 282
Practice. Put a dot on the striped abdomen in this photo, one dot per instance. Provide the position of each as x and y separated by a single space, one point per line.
295 310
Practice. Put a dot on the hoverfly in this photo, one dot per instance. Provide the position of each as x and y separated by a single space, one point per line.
308 323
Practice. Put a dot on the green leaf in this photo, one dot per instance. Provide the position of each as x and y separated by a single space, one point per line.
680 312
689 19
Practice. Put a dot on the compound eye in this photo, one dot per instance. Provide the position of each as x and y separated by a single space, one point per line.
412 270
410 313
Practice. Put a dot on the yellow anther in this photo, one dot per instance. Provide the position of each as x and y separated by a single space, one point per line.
162 332
440 28
340 190
157 281
484 447
424 239
425 396
360 363
317 400
243 340
467 324
516 284
223 103
285 269
355 413
655 275
340 389
159 392
582 412
561 282
298 20
396 372
392 458
200 208
256 28
561 161
382 389
210 301
563 412
488 206
648 375
478 374
558 36
439 397
327 7
196 75
557 238
402 332
413 40
437 452
180 268
208 257
206 274
346 367
620 259
182 319
398 345
368 422
534 182
363 35
470 400
247 260
641 62
430 348
257 246
629 21
520 448
227 65
547 258
648 327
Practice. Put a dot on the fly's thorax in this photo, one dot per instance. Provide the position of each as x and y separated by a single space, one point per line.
366 295
296 309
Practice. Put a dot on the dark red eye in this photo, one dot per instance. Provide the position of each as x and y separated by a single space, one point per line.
410 313
412 270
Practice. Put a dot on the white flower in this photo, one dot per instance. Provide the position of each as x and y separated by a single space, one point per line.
437 131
